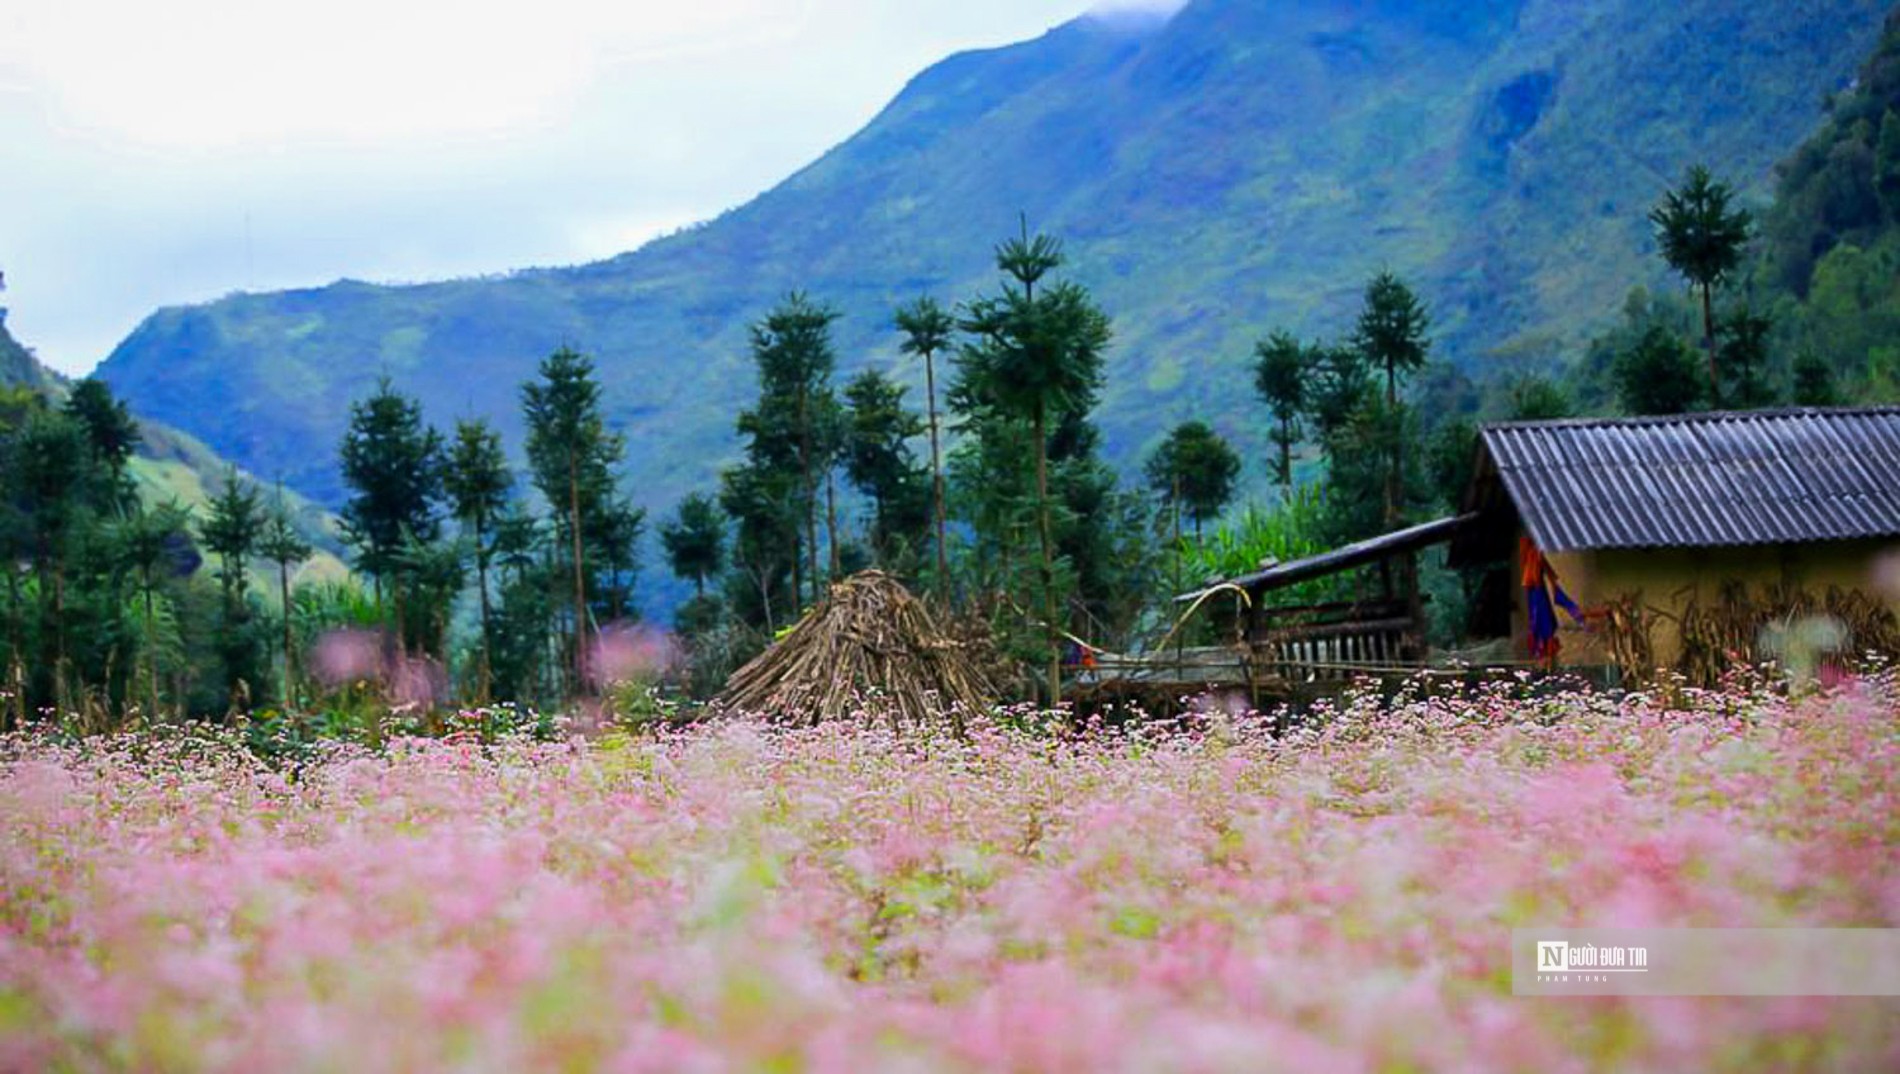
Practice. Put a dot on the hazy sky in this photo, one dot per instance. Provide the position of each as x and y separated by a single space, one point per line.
161 153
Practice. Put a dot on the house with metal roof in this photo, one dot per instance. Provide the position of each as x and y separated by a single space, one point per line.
1689 542
1692 541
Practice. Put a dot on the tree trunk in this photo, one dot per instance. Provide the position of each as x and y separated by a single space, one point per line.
1006 554
151 646
485 682
1708 341
401 650
1398 446
290 644
59 627
764 575
1286 456
811 494
1179 552
16 683
936 478
1048 559
388 642
798 570
580 571
831 525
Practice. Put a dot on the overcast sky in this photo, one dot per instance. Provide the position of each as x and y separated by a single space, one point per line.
161 153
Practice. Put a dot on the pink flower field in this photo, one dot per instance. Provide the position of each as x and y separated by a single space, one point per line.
742 898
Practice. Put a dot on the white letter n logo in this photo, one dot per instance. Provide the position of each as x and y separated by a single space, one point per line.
1552 956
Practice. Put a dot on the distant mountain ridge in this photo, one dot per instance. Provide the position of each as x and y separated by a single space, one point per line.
1238 167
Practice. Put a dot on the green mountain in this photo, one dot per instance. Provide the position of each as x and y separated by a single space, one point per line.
1831 249
18 367
1240 166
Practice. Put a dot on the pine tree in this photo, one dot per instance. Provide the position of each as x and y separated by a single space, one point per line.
1703 240
1390 336
614 533
878 460
46 471
927 329
1814 381
695 540
1338 388
1034 356
112 435
391 461
572 456
1887 164
1281 366
1349 424
761 499
428 574
793 423
478 483
233 523
1744 353
1658 375
1449 458
150 542
1194 468
283 546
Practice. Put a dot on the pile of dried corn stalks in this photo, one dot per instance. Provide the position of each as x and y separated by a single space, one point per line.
868 650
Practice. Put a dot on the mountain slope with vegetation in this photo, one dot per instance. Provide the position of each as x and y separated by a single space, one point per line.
1831 242
18 367
1238 167
170 465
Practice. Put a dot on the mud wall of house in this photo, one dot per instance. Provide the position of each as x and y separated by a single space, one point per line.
1667 579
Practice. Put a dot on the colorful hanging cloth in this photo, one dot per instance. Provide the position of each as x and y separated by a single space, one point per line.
1541 588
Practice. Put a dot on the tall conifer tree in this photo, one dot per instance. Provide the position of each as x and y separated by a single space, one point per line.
392 462
284 547
1036 355
478 482
927 329
1703 239
572 455
1390 336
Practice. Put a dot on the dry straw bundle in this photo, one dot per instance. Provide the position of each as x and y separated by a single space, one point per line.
870 648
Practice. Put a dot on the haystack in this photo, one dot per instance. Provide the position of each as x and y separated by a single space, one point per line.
869 648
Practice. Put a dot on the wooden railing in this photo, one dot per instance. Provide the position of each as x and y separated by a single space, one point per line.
1340 640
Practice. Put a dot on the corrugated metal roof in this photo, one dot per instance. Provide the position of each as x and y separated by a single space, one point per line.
1722 478
1345 556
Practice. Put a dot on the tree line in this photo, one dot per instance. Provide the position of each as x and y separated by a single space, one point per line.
990 493
106 610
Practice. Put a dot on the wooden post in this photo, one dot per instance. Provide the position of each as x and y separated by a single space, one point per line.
1414 607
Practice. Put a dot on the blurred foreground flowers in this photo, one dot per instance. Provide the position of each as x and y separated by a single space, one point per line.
738 898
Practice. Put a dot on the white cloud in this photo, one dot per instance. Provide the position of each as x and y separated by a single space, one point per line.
160 153
200 73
